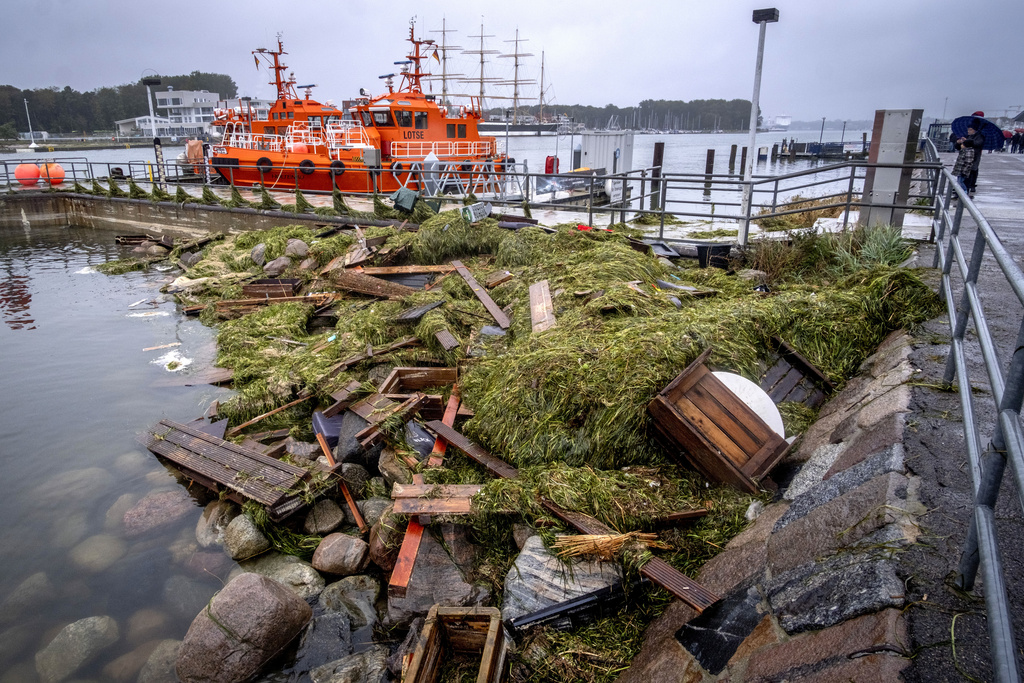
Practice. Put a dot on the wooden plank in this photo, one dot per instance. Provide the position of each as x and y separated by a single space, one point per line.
215 376
358 358
492 308
400 575
316 299
786 385
406 270
373 408
236 430
731 414
417 378
343 398
808 368
440 445
542 312
677 518
710 430
447 340
415 314
495 466
497 278
433 506
271 435
406 410
436 491
689 370
366 284
774 374
349 500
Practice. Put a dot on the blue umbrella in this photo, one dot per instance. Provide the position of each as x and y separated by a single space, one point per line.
993 133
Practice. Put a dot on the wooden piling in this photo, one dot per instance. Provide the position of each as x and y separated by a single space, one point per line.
659 156
709 169
732 158
743 160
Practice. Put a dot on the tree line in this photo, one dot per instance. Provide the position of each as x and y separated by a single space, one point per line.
69 112
706 115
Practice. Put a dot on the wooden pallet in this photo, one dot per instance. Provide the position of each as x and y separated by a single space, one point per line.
721 437
794 378
271 287
240 473
451 630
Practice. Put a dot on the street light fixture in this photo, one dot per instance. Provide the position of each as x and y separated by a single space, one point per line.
762 17
148 81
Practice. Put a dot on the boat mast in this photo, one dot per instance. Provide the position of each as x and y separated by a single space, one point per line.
482 52
542 86
515 55
411 80
285 87
444 47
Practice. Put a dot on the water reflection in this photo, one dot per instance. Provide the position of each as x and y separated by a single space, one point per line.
15 301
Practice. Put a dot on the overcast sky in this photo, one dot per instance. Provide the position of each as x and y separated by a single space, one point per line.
837 59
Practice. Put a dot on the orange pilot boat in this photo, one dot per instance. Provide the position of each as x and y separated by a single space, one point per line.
403 138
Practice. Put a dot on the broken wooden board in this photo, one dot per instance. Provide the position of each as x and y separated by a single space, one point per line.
492 308
373 408
241 473
404 380
655 569
721 437
447 340
215 376
497 278
406 410
449 631
236 304
794 378
343 398
404 270
542 312
496 466
413 315
360 357
452 499
271 287
359 283
234 431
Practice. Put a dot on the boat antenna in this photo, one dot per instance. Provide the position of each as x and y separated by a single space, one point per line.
411 78
285 87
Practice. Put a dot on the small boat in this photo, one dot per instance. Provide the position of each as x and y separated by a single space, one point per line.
401 139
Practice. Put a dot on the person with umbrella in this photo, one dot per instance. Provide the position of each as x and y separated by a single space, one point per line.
975 141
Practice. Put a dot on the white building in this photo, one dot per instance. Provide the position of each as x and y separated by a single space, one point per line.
143 126
189 112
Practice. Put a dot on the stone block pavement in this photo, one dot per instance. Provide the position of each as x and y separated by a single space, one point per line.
812 590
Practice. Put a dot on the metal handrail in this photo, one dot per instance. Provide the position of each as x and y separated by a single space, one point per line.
1007 441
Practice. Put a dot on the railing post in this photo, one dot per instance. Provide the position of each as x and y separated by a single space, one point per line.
643 188
590 202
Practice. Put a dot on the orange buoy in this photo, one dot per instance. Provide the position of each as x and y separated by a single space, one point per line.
298 148
27 174
53 173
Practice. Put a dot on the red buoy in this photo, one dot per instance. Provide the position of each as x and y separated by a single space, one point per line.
298 148
27 174
54 173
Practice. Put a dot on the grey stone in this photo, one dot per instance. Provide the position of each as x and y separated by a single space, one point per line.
492 331
156 250
372 509
31 593
818 595
114 518
157 510
521 533
355 476
752 275
71 527
325 638
184 597
715 635
97 553
243 539
259 254
245 625
436 579
288 570
538 579
214 520
408 647
355 596
191 258
277 267
324 517
75 646
159 668
754 511
386 539
890 460
341 554
145 625
72 487
392 469
302 449
296 248
308 264
369 665
813 471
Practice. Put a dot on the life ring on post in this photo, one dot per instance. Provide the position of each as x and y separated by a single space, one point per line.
264 165
336 168
307 167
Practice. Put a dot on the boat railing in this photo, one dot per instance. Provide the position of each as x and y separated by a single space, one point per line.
345 133
443 150
268 143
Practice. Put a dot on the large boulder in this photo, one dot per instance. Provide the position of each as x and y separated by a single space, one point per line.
327 637
538 579
76 645
392 469
372 509
287 570
30 594
341 554
386 539
436 579
159 668
258 254
368 665
252 619
215 519
243 538
277 267
157 510
296 248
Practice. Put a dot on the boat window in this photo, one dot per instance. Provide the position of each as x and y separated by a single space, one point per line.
367 119
291 115
333 119
382 118
298 101
404 118
314 121
421 120
462 130
451 130
273 116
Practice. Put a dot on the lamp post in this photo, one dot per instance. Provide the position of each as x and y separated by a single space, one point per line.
763 17
149 99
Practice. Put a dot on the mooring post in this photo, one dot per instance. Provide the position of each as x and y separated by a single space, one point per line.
732 158
659 155
775 151
709 169
743 158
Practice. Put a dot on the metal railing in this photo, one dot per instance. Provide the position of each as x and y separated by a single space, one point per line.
1007 442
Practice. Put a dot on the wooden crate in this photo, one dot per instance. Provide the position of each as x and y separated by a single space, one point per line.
722 438
272 288
794 378
450 630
